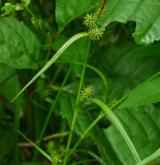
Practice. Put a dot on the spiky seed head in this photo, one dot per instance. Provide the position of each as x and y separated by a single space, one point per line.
86 92
96 33
90 21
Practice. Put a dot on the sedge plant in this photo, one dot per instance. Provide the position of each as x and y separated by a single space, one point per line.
95 32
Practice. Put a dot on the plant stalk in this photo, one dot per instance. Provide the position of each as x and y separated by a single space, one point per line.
75 113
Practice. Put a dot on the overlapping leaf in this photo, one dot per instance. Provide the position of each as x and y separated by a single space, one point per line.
142 125
144 12
144 94
67 10
19 47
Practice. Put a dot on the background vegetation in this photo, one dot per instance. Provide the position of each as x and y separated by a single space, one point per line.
98 104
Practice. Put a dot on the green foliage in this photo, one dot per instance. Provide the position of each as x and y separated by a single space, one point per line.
142 125
67 10
6 143
19 47
95 102
144 94
144 13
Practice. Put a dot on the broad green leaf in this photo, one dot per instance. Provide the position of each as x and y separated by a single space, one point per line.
142 125
127 65
150 158
5 73
9 84
19 47
67 10
144 94
144 12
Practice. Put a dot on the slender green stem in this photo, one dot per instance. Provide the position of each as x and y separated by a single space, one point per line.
30 11
87 130
116 122
71 130
97 158
70 136
87 161
98 72
16 124
54 104
52 60
38 148
92 154
55 135
75 113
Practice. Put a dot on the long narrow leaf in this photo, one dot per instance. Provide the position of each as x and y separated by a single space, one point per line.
38 148
116 122
150 158
52 60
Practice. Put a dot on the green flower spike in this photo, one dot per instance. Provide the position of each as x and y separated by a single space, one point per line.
96 33
90 21
86 92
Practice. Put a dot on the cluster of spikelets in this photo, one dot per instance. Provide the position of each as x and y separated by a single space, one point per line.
86 92
95 32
